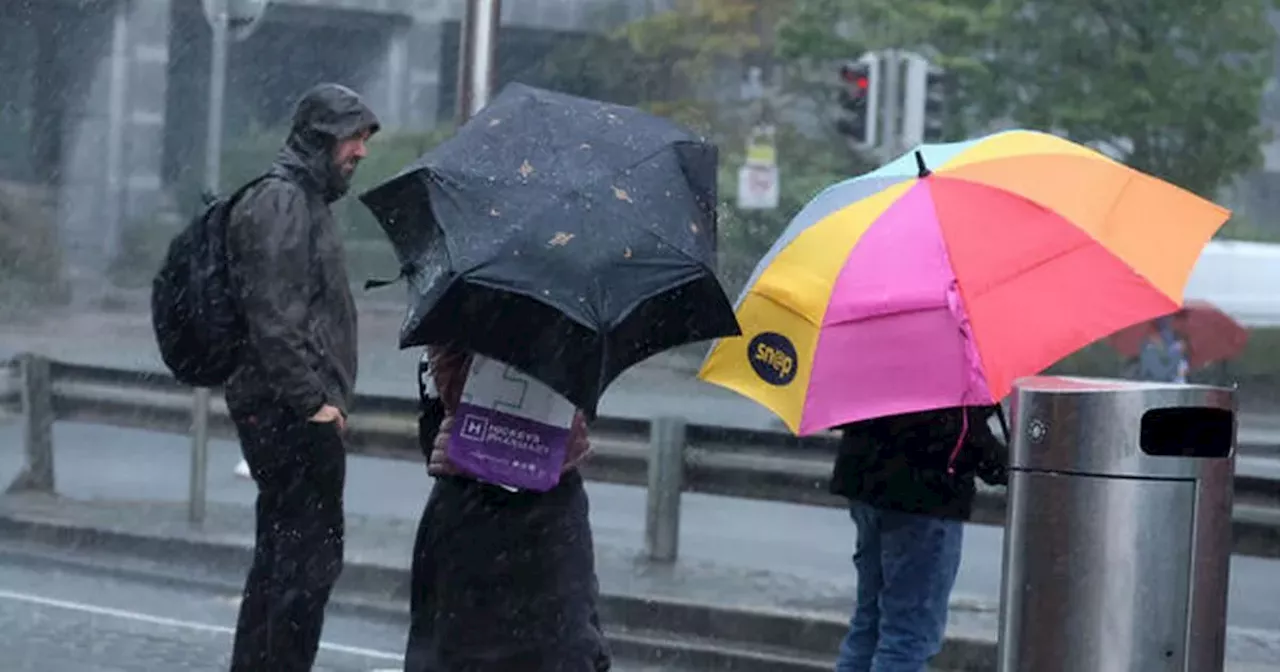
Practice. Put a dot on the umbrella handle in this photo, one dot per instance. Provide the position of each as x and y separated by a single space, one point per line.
1004 424
375 283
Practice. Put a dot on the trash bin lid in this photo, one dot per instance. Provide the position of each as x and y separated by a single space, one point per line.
1121 428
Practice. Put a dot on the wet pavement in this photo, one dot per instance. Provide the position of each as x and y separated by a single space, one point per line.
734 552
56 618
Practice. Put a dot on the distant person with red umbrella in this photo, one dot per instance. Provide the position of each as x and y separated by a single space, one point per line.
1162 357
1196 336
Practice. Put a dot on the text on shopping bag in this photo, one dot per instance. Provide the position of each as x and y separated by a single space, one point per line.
510 429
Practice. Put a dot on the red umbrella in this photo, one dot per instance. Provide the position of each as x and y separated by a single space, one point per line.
1211 335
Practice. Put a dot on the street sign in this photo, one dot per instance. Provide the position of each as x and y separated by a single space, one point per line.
758 187
758 177
761 149
243 16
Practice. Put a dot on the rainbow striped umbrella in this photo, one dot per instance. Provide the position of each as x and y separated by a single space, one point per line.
940 278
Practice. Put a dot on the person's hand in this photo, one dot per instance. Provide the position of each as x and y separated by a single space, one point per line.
993 473
329 413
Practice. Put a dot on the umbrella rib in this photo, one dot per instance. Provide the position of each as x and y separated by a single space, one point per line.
1089 236
531 295
581 189
679 251
819 323
624 314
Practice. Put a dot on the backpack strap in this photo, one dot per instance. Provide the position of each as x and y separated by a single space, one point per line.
374 283
426 379
244 188
431 409
228 205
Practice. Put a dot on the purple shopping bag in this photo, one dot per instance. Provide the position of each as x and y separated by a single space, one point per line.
510 429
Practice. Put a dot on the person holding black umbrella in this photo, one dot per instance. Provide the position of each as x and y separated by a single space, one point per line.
554 241
502 579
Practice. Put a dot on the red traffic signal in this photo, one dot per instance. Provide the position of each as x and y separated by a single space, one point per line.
856 76
856 120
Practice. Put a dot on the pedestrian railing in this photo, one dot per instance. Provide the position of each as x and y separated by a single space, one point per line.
667 455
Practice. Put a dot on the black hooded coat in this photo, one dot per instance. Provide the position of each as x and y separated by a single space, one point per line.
288 266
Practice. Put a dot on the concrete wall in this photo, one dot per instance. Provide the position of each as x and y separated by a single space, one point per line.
111 95
290 51
414 85
403 84
19 58
110 60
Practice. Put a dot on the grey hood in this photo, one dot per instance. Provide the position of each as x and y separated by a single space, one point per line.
325 115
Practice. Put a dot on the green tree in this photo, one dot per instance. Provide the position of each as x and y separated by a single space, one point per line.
667 63
955 35
1173 89
672 64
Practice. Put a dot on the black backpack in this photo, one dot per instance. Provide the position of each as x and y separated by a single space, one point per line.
197 322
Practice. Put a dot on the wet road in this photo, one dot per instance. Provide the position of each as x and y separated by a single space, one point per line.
60 619
808 543
57 617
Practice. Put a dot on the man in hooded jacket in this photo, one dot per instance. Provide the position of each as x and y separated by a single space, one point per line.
290 394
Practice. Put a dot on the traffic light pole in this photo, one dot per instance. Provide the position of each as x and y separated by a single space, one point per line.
198 473
891 68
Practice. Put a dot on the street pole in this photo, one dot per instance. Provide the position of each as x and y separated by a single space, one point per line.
115 141
477 56
915 91
217 94
212 169
892 61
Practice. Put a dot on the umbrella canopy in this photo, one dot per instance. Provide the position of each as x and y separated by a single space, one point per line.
938 279
567 237
1211 335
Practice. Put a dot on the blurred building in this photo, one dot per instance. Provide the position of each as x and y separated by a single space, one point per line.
104 101
1257 195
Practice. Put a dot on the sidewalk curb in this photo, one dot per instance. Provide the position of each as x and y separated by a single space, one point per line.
706 636
653 629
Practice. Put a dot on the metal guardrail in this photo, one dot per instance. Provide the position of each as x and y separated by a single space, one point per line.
669 456
10 387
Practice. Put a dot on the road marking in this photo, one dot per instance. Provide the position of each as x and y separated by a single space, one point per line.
175 623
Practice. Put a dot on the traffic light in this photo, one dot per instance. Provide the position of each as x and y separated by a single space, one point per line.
935 105
856 120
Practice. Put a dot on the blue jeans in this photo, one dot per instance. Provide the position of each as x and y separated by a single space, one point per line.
906 565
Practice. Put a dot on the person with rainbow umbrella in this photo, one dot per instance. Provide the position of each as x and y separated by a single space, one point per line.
902 305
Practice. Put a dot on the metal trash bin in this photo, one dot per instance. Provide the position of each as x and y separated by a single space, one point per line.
1117 541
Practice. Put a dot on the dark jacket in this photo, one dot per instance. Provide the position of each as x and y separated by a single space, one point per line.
904 462
449 368
289 269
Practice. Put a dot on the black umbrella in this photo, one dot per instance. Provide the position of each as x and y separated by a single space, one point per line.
567 237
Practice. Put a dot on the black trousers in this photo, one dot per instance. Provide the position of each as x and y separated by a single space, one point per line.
505 582
300 469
